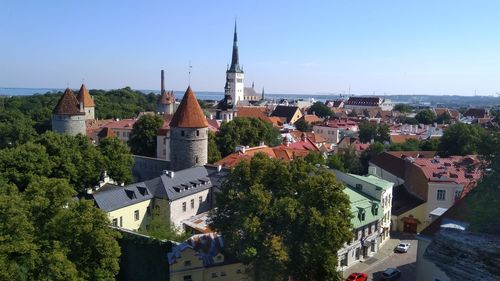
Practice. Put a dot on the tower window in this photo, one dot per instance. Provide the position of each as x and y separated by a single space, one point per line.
197 133
182 133
196 159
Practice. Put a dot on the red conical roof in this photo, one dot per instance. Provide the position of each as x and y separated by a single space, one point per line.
68 104
189 113
84 96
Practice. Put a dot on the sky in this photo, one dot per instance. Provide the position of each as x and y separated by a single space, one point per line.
306 47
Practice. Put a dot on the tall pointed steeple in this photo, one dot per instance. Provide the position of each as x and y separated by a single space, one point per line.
235 59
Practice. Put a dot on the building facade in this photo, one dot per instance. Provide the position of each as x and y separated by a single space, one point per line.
166 102
87 101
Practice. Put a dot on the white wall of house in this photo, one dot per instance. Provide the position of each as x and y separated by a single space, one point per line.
122 134
178 213
442 195
354 252
131 217
332 135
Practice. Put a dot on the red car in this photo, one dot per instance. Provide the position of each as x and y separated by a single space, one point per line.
358 276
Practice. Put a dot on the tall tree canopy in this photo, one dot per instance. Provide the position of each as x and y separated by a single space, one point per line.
143 136
245 131
47 235
213 151
370 131
285 219
461 139
303 126
403 108
320 110
425 116
62 156
15 128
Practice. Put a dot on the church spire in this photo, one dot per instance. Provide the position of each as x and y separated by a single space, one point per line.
235 59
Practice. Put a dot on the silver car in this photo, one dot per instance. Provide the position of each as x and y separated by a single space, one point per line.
403 247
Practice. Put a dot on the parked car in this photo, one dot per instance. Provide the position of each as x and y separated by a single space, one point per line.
357 276
391 274
403 247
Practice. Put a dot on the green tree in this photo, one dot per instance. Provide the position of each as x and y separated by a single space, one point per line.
425 116
335 162
320 110
367 131
117 159
213 151
383 133
430 145
47 235
159 228
315 158
245 131
15 129
303 126
367 155
408 145
350 161
444 118
143 136
460 139
285 219
403 108
407 120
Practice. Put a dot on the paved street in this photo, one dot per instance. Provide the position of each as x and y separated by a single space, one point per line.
386 257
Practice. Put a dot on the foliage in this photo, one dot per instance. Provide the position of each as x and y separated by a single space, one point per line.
62 156
315 158
159 228
460 139
407 120
47 235
122 103
403 108
444 118
430 145
346 160
367 155
143 136
117 159
425 116
303 126
285 219
213 151
415 145
369 131
15 129
320 110
245 131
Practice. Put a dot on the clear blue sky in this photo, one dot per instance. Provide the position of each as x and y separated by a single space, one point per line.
419 47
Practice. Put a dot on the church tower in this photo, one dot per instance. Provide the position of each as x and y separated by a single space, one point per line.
188 134
234 75
87 103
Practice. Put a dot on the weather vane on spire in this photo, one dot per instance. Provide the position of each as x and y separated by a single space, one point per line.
189 72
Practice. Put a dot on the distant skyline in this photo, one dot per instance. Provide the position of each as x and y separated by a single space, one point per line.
392 47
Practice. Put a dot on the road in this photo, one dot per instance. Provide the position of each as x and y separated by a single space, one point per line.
386 257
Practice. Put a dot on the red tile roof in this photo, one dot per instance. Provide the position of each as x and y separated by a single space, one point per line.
68 105
189 113
106 133
166 97
455 169
84 96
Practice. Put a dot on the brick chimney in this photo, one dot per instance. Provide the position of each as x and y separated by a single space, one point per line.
162 81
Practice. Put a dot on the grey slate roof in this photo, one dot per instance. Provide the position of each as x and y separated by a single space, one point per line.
183 183
116 197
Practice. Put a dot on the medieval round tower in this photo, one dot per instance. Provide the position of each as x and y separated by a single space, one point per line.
86 100
68 117
188 134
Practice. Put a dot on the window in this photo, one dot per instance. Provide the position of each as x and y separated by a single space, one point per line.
148 211
184 206
121 221
200 200
192 203
115 222
363 216
214 274
359 186
196 159
188 278
197 133
458 193
182 133
136 215
441 195
238 271
187 263
222 273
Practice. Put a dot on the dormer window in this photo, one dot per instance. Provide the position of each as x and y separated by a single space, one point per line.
361 214
375 209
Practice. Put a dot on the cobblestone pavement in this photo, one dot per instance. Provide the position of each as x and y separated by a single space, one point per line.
386 257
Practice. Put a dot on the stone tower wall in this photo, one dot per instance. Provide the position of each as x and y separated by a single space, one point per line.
184 149
165 108
69 124
89 113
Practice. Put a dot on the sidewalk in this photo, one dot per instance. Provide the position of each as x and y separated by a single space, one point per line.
385 251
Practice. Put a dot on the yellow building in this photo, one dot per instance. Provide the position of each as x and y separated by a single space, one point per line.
409 213
200 258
